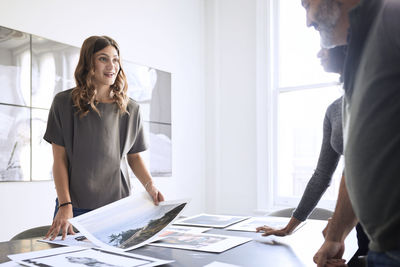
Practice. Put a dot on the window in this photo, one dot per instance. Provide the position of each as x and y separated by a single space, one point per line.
303 92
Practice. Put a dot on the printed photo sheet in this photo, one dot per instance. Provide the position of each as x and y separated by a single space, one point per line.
210 220
78 256
199 241
220 264
128 223
180 228
79 240
252 223
189 229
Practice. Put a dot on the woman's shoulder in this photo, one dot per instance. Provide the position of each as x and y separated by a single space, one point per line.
132 105
335 105
63 99
334 110
64 95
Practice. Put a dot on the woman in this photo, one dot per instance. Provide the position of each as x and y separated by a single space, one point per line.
92 129
332 60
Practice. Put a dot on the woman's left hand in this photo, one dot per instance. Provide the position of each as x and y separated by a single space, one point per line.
155 194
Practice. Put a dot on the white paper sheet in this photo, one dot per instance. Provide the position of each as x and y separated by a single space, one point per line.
220 264
200 241
78 256
77 240
188 229
128 223
252 223
10 264
210 220
180 228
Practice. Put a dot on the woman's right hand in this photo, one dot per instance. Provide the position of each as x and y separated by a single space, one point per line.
60 223
287 230
272 231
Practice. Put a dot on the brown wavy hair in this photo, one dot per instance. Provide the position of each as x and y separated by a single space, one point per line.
84 94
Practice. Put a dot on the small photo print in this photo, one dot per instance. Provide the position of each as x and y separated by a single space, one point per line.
251 224
199 241
77 256
209 220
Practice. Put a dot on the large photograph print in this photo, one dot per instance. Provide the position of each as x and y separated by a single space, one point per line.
128 223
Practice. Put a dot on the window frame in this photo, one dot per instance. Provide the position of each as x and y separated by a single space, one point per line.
274 90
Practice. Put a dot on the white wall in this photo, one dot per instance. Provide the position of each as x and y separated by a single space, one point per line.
167 35
231 132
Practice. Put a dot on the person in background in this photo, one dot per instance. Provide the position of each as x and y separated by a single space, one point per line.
93 129
369 194
331 150
332 60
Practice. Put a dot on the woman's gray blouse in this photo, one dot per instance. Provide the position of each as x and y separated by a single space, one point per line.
331 150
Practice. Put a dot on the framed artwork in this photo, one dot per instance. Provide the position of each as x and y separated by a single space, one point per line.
53 67
15 61
14 143
42 154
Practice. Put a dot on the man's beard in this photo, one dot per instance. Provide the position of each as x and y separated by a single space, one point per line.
327 16
327 39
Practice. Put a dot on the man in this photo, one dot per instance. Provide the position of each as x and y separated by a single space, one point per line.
371 191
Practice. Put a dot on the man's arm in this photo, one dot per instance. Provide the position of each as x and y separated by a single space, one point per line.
343 221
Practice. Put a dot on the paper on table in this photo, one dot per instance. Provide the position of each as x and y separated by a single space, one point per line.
210 220
189 229
77 240
180 228
128 223
10 264
200 241
252 223
78 256
220 264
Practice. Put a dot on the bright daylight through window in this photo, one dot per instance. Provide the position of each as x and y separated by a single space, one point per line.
304 92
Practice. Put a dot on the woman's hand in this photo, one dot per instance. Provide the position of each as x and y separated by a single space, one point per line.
287 230
154 193
60 223
138 167
272 231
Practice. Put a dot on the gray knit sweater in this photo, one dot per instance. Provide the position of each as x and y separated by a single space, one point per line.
331 150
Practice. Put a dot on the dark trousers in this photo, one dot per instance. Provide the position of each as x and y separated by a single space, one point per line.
384 259
363 243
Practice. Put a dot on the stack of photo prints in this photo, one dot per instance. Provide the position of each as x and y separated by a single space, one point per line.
106 234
